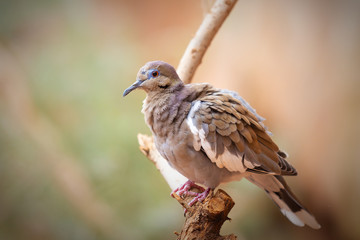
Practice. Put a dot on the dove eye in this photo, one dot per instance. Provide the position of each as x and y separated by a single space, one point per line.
155 73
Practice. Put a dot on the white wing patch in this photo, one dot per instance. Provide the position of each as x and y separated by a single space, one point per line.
231 161
190 120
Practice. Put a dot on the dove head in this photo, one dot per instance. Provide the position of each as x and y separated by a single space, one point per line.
155 77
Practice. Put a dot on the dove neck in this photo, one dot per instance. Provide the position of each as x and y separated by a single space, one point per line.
166 110
163 93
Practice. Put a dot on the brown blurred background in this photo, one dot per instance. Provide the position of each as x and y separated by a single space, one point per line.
70 167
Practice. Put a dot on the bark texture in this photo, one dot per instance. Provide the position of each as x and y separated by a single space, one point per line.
204 220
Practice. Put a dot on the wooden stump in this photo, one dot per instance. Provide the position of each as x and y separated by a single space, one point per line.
204 220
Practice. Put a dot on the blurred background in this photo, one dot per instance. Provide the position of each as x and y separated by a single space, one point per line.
70 167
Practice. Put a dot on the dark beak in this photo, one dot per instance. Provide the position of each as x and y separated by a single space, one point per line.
132 87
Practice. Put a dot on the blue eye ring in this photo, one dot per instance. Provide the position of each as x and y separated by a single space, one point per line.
153 73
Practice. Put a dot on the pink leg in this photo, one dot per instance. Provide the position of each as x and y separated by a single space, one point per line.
184 189
200 197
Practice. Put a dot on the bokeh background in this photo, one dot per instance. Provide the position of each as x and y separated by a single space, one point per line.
70 167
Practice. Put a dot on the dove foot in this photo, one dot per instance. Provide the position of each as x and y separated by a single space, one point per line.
200 197
184 189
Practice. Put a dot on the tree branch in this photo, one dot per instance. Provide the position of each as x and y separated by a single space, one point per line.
199 44
172 177
203 220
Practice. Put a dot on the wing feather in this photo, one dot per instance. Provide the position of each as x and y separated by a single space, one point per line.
233 136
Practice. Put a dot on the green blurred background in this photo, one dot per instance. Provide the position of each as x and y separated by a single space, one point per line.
70 167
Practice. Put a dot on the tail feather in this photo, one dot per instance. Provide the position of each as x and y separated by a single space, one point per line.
276 187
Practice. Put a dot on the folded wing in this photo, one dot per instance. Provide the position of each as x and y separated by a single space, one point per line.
233 136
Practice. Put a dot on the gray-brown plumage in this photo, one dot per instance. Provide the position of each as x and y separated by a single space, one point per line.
213 136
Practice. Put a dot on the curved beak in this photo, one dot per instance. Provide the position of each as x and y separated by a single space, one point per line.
132 87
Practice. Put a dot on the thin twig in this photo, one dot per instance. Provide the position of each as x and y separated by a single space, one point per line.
172 177
199 44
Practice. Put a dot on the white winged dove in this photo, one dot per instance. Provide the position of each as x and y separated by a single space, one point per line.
214 136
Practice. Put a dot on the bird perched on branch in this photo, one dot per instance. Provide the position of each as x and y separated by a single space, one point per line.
213 136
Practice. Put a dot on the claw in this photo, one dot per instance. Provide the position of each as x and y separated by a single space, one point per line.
200 197
183 191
